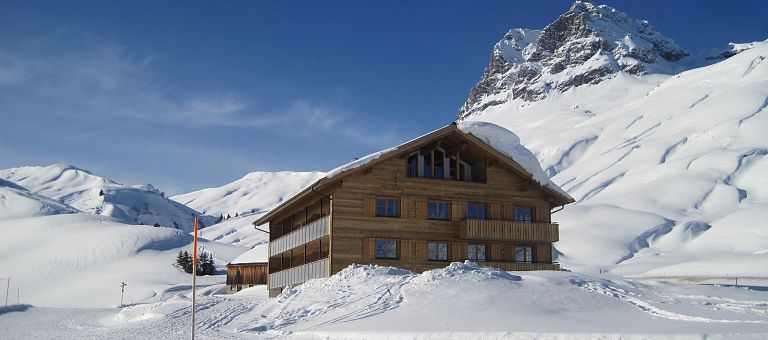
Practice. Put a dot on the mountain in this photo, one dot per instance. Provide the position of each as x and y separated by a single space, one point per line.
255 192
82 190
666 169
585 45
248 197
18 202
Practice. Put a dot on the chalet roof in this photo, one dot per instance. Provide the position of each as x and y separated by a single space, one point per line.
490 137
257 254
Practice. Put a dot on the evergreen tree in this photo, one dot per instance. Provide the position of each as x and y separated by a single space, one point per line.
187 262
157 225
181 260
221 218
228 216
236 215
101 192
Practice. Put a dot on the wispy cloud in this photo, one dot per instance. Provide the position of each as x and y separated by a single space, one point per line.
103 82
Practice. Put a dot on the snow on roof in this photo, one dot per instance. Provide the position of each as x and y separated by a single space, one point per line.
258 254
497 137
508 143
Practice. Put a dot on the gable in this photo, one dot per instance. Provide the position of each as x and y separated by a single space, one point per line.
451 139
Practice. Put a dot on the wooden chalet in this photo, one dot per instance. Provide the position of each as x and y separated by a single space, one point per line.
247 270
446 196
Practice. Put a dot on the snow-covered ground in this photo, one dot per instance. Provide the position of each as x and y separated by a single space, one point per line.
80 260
461 301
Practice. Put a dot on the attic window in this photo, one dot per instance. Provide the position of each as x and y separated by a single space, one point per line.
439 163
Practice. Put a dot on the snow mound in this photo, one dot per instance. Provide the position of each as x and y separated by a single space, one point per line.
17 202
80 189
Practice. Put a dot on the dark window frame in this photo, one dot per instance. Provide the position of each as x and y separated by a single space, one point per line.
437 204
386 249
485 210
389 202
486 249
438 252
526 254
532 216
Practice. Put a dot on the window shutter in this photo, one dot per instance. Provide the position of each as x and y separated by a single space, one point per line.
421 209
495 212
458 210
369 205
406 249
369 245
408 207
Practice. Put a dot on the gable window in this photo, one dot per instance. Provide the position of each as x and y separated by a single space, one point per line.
437 210
439 163
477 211
413 165
386 207
524 214
476 252
386 249
524 254
427 166
437 251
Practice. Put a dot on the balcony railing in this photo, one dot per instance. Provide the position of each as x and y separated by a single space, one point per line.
513 266
305 234
509 231
299 274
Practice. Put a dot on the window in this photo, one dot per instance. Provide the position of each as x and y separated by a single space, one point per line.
386 207
437 210
476 211
428 166
524 214
437 251
413 165
439 164
524 254
386 249
476 252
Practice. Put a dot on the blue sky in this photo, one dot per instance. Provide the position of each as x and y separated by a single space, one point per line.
188 95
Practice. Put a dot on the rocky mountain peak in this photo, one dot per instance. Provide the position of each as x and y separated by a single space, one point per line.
585 45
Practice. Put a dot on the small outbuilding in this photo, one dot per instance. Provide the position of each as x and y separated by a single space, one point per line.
248 270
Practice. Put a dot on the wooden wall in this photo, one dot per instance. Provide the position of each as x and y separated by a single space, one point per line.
354 220
255 274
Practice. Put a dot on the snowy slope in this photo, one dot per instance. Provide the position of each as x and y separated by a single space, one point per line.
79 260
18 202
255 192
237 231
138 204
665 169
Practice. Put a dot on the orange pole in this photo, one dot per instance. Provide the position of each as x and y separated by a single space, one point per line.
194 276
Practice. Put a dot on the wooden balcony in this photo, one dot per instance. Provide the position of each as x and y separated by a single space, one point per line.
298 237
499 230
313 270
513 266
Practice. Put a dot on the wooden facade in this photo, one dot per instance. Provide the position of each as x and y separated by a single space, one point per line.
422 221
245 275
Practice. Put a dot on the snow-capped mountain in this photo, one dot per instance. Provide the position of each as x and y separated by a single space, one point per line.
666 169
255 192
244 200
585 45
86 192
18 202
